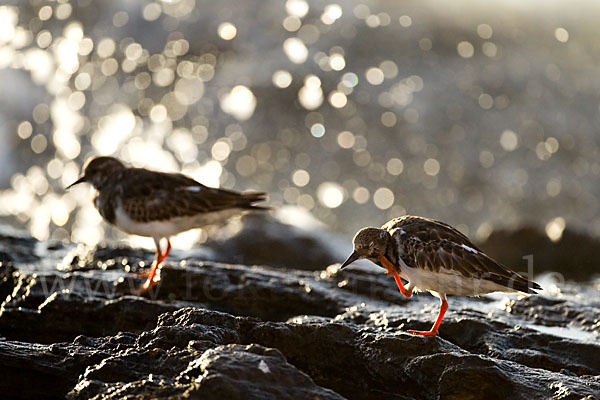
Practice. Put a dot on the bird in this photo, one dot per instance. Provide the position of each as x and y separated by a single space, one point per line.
433 256
159 205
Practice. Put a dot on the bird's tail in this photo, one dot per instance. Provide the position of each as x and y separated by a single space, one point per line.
516 282
249 198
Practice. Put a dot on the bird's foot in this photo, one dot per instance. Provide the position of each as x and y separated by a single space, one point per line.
423 333
153 278
145 288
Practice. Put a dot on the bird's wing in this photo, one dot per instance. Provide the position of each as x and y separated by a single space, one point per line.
437 247
427 230
149 196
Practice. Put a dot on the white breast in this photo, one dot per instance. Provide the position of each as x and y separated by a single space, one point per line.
449 282
170 227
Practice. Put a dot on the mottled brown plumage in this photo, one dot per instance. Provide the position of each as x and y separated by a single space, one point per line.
147 195
434 256
158 204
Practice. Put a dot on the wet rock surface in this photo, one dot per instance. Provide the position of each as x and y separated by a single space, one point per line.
70 324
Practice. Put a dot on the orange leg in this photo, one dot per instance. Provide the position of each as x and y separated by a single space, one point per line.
166 253
154 276
392 271
438 321
408 293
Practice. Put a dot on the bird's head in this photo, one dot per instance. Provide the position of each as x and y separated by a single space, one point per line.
98 170
369 243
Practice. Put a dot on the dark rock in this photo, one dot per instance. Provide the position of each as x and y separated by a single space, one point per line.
267 293
574 255
55 308
8 276
580 311
353 361
250 372
45 371
290 238
525 347
266 332
192 353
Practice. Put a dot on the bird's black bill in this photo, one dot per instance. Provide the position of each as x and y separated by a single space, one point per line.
353 257
80 180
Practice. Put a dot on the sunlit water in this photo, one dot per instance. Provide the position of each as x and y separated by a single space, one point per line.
480 115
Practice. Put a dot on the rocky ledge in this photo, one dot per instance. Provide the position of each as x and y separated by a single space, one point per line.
71 327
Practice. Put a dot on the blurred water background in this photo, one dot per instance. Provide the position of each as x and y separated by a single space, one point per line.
483 114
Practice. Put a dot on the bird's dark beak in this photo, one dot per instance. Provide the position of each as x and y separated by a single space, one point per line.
353 257
80 180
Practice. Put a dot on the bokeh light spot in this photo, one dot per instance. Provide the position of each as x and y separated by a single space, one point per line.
389 69
395 166
105 48
431 167
39 143
338 99
405 21
555 229
330 194
509 140
63 11
282 79
292 23
465 49
383 198
220 150
295 50
345 139
311 95
297 8
45 13
561 34
337 62
484 31
489 49
374 76
227 31
350 79
188 91
361 195
240 103
553 187
331 14
317 130
300 177
151 12
486 101
24 130
388 119
120 19
44 39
